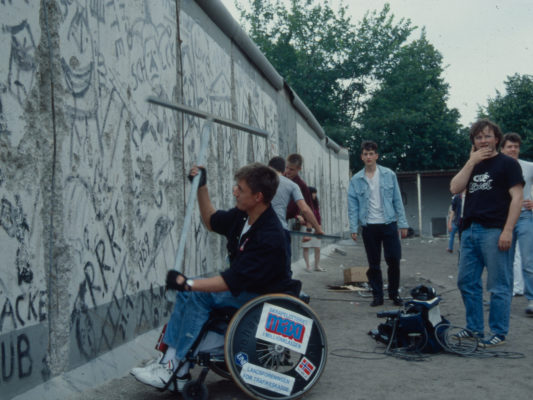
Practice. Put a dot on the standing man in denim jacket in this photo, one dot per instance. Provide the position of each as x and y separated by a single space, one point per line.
375 203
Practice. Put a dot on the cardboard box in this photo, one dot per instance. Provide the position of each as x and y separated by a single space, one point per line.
355 274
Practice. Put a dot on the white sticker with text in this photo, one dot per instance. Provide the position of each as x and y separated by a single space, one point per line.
267 379
284 327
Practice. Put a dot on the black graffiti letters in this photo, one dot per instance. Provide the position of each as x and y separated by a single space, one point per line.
20 354
26 308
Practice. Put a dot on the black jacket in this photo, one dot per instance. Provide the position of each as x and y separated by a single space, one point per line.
257 260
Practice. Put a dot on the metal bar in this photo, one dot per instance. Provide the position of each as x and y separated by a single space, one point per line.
223 121
314 235
204 142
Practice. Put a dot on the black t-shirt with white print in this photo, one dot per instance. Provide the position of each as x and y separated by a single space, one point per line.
487 196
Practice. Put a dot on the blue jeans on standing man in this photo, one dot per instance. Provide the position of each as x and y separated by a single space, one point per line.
523 233
455 228
479 248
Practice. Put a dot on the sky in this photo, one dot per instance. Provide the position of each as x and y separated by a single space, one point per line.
482 42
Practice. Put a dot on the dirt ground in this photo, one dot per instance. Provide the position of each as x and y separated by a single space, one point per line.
357 367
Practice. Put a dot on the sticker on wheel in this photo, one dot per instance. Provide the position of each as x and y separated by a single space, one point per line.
305 368
284 327
241 358
267 379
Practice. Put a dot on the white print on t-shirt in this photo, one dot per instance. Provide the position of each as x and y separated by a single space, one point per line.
480 182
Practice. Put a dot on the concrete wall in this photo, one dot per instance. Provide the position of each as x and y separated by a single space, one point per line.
92 183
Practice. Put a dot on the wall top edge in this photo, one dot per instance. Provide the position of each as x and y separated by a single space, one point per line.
224 20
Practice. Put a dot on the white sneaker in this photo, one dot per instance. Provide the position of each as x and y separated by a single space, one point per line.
156 375
529 308
148 366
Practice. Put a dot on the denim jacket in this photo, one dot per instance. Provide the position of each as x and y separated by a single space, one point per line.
391 199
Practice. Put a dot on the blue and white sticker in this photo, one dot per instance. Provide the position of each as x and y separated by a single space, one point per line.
241 358
284 327
267 379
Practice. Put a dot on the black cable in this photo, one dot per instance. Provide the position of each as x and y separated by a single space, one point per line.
468 347
335 353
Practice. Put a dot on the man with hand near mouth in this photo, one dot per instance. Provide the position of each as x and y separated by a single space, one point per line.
494 192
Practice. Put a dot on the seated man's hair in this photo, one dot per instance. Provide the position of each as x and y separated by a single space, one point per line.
295 159
260 178
369 145
278 163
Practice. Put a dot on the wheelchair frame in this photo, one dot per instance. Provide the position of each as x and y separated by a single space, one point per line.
275 348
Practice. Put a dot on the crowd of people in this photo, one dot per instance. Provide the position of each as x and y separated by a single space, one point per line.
491 210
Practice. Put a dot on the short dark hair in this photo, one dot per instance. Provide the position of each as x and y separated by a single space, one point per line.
260 178
481 124
295 159
369 145
278 163
512 137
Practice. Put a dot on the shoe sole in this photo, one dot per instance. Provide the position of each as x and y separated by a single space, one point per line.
157 385
488 346
467 337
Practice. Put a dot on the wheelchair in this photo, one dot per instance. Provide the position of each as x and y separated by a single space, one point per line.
273 347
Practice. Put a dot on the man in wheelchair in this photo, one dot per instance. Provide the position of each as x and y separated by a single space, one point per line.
256 249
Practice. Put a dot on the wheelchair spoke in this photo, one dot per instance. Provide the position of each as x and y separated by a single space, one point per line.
274 357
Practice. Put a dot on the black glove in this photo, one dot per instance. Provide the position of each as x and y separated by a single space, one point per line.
172 283
203 177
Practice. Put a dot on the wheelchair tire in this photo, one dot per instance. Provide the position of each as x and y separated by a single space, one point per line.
220 368
275 347
195 390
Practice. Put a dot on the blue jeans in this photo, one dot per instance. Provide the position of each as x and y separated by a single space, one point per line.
191 312
479 249
523 233
455 228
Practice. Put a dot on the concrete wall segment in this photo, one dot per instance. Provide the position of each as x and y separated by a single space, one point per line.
92 177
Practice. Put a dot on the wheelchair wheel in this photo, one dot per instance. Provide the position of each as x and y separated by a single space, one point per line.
220 368
275 347
195 390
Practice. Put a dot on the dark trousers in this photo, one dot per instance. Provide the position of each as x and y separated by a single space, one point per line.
374 235
288 252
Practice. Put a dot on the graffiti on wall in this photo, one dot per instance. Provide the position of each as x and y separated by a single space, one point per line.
23 298
17 72
119 162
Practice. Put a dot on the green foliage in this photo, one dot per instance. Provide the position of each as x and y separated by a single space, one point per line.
513 111
408 117
362 80
327 60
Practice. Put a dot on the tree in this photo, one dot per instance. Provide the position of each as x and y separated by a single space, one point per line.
408 117
329 62
513 111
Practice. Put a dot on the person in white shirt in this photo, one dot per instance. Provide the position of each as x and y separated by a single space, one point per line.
523 231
